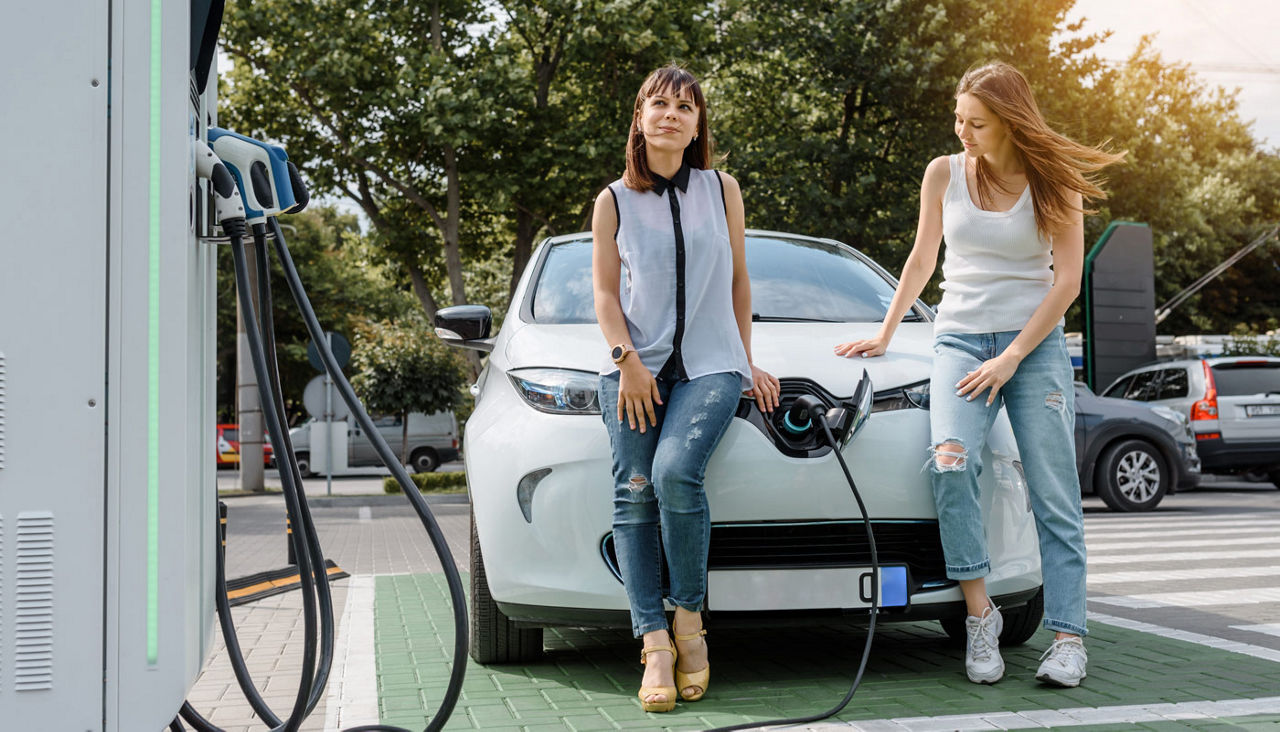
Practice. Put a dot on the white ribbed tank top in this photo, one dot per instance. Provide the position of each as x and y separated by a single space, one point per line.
996 269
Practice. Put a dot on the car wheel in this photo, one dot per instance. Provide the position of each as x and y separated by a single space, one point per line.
1020 623
1131 476
494 638
304 464
424 460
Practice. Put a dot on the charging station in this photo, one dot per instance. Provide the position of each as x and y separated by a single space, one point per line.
107 312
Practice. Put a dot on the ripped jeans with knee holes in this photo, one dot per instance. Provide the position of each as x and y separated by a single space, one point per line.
659 506
1040 401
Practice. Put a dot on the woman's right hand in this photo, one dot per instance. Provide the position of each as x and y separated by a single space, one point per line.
867 347
637 393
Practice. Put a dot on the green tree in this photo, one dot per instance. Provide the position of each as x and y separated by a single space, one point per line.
399 369
348 287
1199 178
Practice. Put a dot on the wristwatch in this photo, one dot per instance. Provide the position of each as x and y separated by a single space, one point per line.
619 352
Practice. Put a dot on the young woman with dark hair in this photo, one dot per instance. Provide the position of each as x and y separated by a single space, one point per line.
679 330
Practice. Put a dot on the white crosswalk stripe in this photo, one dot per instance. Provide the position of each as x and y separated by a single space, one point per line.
1156 561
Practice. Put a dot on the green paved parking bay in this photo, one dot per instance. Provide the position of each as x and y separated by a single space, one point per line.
587 680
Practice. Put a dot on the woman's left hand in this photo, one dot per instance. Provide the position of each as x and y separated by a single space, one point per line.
766 391
992 375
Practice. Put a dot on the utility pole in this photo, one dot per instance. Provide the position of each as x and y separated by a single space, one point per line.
248 402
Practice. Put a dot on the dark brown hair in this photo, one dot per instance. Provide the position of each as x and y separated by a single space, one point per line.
674 80
1054 164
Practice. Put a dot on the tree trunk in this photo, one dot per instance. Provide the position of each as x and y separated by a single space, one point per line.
526 229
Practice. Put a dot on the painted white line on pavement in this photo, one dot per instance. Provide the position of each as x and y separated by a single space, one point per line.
1170 575
365 514
1160 531
1154 523
1185 556
1268 628
1244 596
1103 546
1248 649
353 686
1075 717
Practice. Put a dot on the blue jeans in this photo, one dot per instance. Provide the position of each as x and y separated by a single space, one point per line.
658 501
1040 401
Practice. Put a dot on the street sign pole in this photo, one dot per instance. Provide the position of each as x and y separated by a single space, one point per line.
328 422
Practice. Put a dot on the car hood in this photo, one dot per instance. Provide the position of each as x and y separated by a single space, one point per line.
786 350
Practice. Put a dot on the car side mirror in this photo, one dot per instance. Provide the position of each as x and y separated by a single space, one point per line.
465 326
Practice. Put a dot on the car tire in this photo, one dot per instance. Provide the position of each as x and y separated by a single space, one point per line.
494 638
424 460
304 464
1131 476
1020 623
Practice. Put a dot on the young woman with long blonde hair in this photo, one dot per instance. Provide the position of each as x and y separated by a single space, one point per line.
1011 209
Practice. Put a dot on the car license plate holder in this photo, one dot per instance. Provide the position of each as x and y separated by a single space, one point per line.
805 589
1262 410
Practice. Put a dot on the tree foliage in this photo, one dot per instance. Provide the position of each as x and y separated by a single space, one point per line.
345 282
466 130
400 368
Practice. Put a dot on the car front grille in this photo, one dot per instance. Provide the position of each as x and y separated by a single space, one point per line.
819 545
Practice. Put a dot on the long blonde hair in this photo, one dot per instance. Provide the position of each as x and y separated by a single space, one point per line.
700 152
1054 164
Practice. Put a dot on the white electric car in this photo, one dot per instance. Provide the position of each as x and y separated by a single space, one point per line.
786 536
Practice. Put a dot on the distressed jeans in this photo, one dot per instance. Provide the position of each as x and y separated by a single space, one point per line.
1040 401
659 505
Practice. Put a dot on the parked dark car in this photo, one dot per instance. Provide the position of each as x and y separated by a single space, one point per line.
1131 455
1233 403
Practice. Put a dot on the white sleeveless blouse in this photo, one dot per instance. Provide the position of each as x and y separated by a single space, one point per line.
996 270
677 277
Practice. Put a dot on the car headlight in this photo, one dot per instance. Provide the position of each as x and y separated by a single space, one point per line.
911 396
558 391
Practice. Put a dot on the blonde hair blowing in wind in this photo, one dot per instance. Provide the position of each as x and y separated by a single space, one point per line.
1054 163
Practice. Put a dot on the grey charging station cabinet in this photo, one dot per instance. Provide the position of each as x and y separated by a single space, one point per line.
1119 303
107 497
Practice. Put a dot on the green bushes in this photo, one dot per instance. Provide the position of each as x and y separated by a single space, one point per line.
430 482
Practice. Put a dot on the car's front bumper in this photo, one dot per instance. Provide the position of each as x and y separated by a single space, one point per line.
546 543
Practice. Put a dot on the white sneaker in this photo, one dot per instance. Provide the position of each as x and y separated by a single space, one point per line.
982 661
1065 663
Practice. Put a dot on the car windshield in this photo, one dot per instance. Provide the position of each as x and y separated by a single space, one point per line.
791 280
1244 378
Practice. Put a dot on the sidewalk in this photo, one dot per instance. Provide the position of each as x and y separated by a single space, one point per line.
359 481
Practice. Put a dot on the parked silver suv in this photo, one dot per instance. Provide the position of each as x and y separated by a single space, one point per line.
1233 403
433 439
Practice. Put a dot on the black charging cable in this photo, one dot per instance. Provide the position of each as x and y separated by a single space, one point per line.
312 571
817 413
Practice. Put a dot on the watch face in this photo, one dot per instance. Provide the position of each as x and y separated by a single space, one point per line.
617 352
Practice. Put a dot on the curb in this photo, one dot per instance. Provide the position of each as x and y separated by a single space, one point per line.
362 499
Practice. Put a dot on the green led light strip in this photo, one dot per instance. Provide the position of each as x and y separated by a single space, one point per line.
153 357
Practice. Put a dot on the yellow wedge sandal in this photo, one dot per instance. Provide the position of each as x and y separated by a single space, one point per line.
698 679
669 691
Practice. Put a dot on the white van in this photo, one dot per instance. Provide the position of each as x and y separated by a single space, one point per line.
433 439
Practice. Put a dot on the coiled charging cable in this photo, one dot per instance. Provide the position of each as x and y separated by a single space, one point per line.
311 567
820 419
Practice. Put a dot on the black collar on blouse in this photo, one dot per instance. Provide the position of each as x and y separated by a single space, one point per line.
679 180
